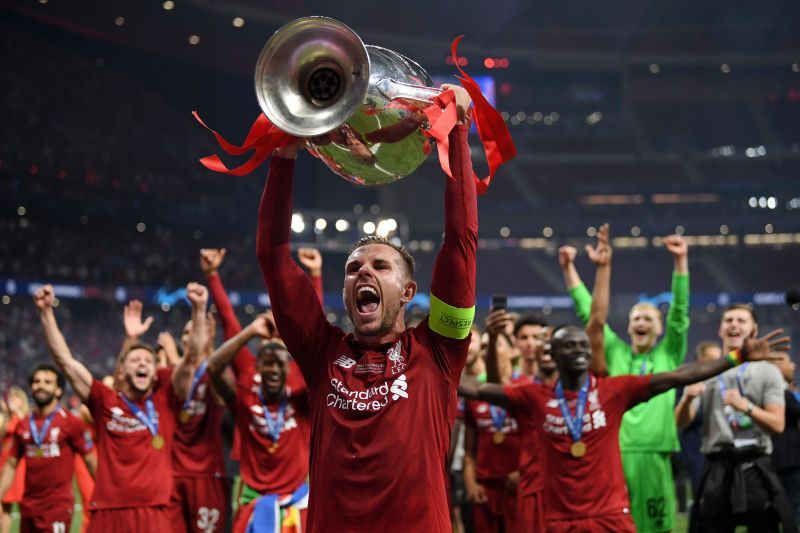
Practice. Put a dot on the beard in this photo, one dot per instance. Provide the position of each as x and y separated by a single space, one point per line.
42 401
386 322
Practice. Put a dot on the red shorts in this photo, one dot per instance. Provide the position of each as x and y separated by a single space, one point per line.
243 516
198 504
530 513
499 513
130 520
53 519
617 522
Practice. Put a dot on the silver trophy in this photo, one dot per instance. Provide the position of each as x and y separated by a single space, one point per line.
358 107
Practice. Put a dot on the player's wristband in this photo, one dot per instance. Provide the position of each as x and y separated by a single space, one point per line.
734 357
448 321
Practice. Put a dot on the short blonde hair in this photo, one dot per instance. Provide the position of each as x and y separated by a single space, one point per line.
648 306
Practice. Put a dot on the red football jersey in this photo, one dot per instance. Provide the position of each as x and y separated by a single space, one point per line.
381 416
197 450
131 472
494 460
594 484
395 403
48 477
531 479
274 470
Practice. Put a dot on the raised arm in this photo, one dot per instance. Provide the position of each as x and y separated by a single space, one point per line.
78 375
566 258
198 341
210 261
312 260
752 349
167 343
676 338
600 255
263 327
453 282
498 362
291 292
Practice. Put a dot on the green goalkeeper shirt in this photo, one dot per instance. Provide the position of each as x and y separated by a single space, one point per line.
650 426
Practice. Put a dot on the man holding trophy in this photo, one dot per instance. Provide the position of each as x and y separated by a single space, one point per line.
383 398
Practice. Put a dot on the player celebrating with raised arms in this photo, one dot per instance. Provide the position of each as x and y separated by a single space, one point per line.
135 426
382 399
578 421
272 420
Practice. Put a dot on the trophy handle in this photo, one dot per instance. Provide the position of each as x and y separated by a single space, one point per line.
391 89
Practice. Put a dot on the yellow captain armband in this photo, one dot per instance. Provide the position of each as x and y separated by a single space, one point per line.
448 321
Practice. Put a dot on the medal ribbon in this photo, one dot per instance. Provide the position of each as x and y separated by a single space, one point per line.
150 419
575 425
274 426
498 415
731 416
198 375
36 435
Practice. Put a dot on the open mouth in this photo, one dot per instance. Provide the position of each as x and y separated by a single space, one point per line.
367 300
273 380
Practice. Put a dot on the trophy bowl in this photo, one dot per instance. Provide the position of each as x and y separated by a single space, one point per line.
359 107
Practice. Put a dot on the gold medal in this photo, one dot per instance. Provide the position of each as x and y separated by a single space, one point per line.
158 442
578 449
273 448
499 437
184 417
39 452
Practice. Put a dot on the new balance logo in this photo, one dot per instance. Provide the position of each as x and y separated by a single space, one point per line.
399 388
344 362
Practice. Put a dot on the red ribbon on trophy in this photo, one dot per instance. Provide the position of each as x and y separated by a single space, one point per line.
492 129
264 137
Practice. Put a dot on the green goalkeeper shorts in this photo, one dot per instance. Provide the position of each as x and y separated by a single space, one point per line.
651 490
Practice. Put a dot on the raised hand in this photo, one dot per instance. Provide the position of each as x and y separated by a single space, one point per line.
197 294
132 318
463 100
290 150
264 326
760 348
311 259
676 245
600 255
43 297
211 259
496 322
167 342
566 255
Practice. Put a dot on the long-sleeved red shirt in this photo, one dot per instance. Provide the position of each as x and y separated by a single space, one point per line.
380 417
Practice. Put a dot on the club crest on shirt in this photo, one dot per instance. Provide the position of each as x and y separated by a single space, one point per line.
54 434
395 355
